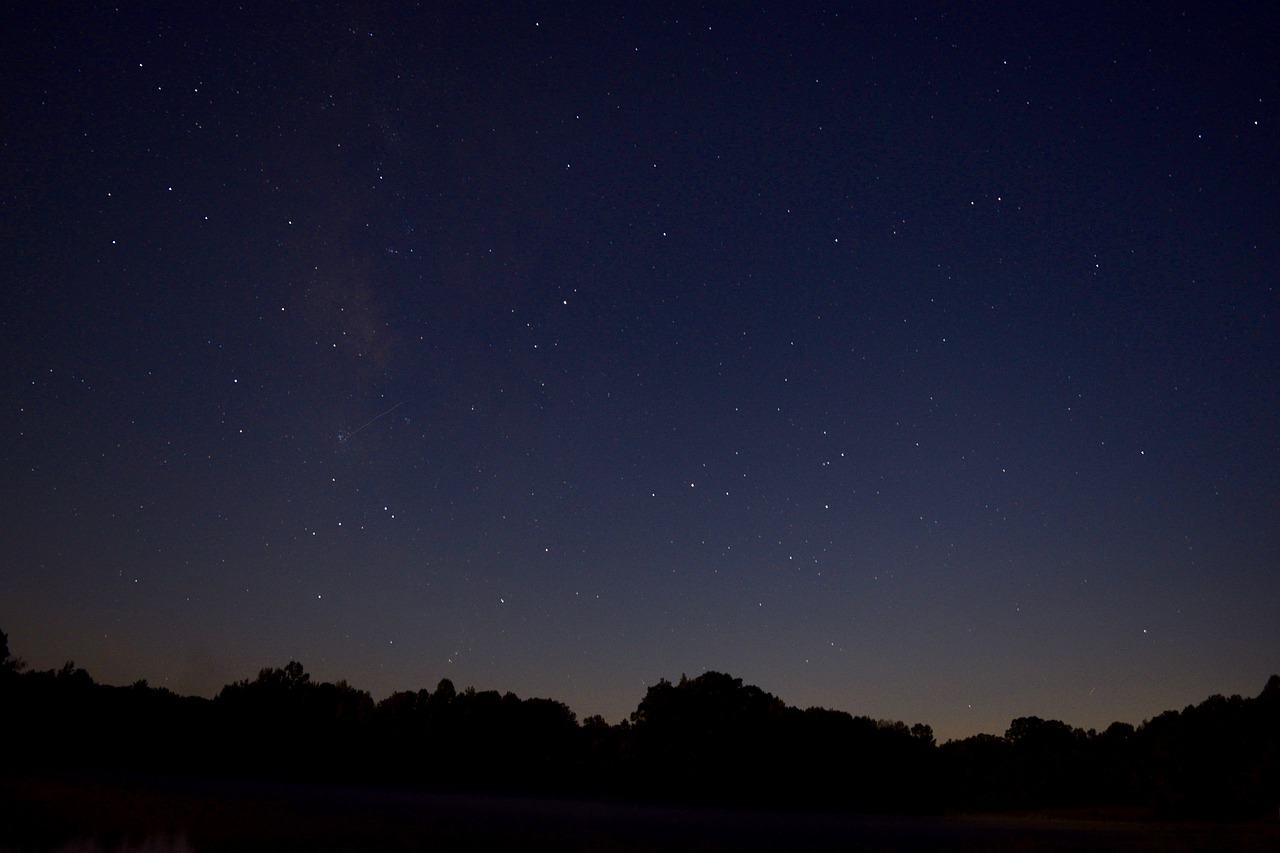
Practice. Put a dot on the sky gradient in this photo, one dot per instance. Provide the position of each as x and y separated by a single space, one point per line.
922 363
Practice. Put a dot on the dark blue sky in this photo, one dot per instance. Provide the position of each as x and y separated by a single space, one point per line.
918 362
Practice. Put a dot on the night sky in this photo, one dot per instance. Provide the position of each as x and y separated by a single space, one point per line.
921 362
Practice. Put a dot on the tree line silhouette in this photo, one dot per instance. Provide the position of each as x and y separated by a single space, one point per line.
704 740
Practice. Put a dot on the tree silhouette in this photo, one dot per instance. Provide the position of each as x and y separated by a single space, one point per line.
709 739
1046 763
8 663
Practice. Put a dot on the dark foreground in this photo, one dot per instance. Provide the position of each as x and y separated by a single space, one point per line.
100 813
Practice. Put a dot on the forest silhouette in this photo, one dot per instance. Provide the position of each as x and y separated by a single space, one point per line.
709 740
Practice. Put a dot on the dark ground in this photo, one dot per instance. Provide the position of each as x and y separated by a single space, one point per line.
114 813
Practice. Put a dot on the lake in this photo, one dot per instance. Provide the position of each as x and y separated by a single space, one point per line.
122 814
